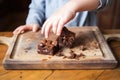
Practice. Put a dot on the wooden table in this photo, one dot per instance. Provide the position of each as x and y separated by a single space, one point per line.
109 74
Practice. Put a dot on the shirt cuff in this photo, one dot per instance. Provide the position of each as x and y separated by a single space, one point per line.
102 4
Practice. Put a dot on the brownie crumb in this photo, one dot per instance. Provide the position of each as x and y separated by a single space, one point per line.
44 59
83 48
59 53
82 55
27 49
49 57
72 55
65 57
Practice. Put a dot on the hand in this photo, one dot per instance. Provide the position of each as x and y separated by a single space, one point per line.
23 28
57 21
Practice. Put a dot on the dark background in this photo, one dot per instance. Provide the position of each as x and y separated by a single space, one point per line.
14 12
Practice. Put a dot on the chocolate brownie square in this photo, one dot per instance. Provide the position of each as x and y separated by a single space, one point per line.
47 47
66 39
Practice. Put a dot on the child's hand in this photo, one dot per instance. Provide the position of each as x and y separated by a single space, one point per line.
66 13
23 28
57 21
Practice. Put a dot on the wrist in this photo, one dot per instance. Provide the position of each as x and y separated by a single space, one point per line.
71 7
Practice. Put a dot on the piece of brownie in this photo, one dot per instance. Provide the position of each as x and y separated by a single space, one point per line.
47 47
50 47
66 39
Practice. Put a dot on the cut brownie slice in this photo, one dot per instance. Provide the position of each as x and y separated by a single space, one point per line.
66 39
47 47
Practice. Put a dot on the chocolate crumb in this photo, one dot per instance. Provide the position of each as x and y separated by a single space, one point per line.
49 57
26 51
65 57
44 59
83 48
72 54
82 55
28 48
60 53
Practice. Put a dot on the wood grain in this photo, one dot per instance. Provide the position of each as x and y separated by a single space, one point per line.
60 74
110 75
75 75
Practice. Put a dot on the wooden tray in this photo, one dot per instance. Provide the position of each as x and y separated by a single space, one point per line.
22 52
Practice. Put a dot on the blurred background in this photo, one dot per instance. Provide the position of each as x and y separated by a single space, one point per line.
14 12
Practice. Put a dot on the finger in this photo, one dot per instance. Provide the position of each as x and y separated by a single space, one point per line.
54 26
21 30
35 28
43 27
28 27
16 31
47 29
60 26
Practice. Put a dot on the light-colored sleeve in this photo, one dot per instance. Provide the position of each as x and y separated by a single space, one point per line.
36 13
103 4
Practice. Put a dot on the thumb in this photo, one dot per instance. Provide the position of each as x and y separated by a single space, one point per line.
35 28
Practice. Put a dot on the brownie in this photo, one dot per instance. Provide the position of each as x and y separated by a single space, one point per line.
47 47
50 47
66 39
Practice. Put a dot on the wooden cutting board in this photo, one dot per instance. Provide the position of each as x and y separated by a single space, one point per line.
22 52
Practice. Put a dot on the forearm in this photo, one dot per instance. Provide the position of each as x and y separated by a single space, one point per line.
83 5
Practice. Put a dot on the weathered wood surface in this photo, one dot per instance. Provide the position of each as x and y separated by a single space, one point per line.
22 52
104 74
